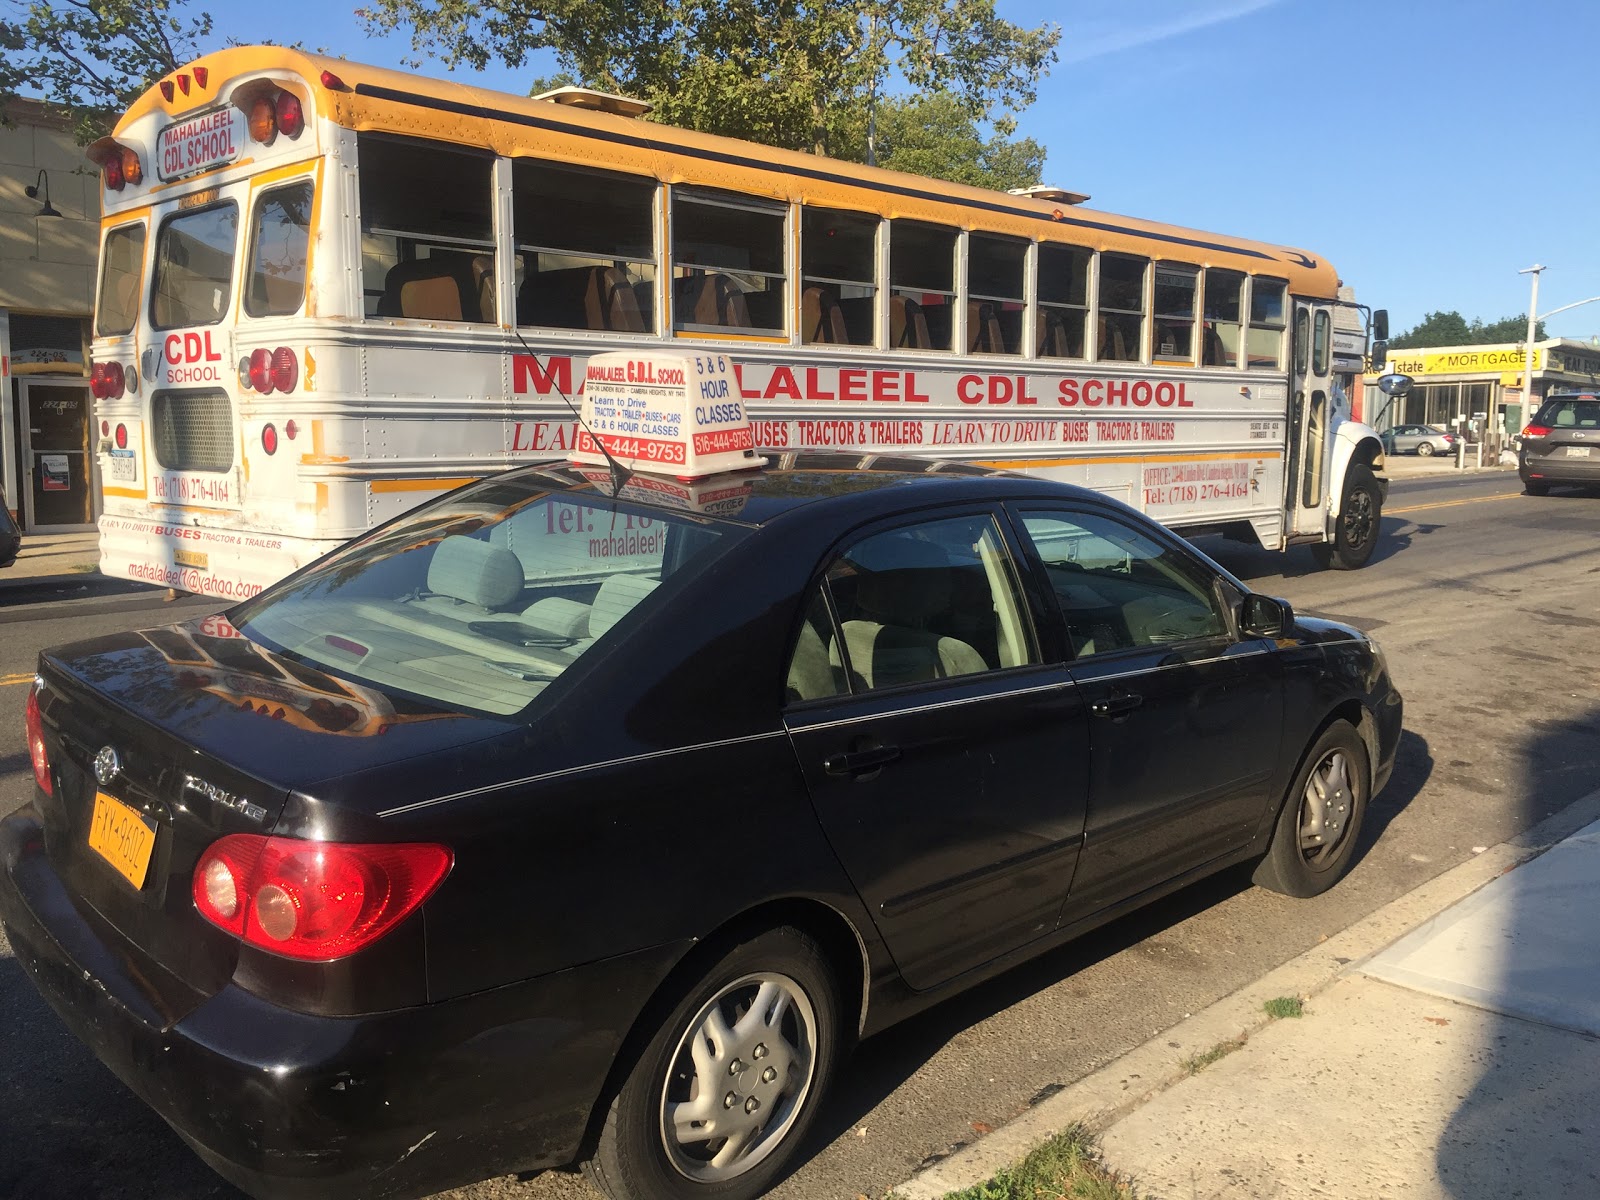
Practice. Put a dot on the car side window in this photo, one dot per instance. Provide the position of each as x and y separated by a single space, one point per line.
917 603
1118 588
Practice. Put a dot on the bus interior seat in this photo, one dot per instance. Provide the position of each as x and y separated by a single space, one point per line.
437 288
940 321
821 318
580 298
860 315
483 278
1053 342
710 298
1112 346
1213 352
983 329
1009 321
765 308
908 325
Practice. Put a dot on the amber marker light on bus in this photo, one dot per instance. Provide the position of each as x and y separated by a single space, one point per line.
132 168
263 120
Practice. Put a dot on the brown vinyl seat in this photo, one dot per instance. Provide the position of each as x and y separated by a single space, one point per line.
438 288
1053 340
983 329
908 326
580 298
821 318
709 298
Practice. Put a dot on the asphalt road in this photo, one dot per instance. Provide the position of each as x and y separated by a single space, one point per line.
1486 603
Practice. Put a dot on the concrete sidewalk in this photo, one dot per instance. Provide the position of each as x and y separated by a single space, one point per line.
1409 466
1449 1050
48 554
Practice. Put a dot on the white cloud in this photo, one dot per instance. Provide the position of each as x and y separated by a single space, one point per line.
1098 39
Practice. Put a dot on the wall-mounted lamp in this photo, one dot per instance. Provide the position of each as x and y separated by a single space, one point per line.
42 184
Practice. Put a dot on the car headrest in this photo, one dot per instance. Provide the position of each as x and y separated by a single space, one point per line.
475 572
902 578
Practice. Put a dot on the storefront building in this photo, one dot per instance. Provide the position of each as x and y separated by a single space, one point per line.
48 244
1480 386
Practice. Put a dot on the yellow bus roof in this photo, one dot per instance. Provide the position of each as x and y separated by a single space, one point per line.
395 102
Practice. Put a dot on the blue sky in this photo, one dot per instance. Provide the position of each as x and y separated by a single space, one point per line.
1427 148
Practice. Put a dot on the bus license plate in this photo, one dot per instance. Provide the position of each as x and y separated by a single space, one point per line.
122 465
119 835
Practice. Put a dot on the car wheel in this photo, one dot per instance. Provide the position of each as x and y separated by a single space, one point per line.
1355 530
730 1082
1425 449
1535 489
1316 833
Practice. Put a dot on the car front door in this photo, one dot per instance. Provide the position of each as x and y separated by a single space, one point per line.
1185 717
948 764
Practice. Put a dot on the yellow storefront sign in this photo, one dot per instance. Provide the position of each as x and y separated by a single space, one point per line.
1468 360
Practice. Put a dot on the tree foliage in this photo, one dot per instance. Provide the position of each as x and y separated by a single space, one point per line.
792 73
933 135
1452 329
93 58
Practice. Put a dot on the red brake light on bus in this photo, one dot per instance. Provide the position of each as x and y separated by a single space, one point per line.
183 84
122 437
112 171
200 75
105 427
263 120
291 430
333 83
269 438
261 371
116 381
285 369
291 117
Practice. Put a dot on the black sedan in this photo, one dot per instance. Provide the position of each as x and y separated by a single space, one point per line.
559 820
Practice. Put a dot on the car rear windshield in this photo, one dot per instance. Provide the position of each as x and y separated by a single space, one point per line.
482 599
1577 412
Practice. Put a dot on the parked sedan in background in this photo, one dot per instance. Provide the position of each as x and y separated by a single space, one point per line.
1562 443
585 815
1418 439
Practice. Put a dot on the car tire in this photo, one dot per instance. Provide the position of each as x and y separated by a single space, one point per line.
1425 449
1355 530
1317 828
714 1045
1530 488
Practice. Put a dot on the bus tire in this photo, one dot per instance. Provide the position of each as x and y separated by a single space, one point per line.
1355 530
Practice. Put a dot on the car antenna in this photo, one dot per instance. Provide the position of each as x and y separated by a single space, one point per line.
619 473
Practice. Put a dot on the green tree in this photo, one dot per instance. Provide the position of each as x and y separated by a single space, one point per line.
1452 329
933 135
93 58
792 73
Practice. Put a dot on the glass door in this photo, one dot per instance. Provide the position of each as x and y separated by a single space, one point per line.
1310 425
58 495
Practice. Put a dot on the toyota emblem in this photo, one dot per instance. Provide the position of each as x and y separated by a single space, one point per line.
107 766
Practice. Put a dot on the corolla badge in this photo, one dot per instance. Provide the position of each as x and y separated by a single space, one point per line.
107 766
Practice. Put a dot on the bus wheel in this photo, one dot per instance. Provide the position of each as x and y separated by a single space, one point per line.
1355 532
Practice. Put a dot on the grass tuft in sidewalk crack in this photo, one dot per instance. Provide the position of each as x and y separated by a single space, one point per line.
1196 1063
1067 1166
1284 1006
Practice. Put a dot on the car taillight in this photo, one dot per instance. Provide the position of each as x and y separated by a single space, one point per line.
314 901
285 369
1536 431
36 751
269 439
261 371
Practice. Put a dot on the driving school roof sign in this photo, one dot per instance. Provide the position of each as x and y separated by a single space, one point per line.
671 414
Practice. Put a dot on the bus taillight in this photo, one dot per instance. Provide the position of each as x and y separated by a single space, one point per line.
107 381
122 437
112 171
291 117
132 168
260 371
285 369
269 439
119 165
274 113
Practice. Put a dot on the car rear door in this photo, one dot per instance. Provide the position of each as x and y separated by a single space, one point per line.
946 759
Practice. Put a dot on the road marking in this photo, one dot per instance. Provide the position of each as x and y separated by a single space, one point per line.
1394 512
13 680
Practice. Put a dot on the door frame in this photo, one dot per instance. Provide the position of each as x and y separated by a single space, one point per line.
25 505
1310 374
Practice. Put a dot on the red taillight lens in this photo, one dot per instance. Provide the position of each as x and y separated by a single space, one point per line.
97 381
1536 431
112 170
291 117
116 380
35 726
313 900
261 371
263 120
105 428
132 168
332 82
122 437
291 430
269 439
285 369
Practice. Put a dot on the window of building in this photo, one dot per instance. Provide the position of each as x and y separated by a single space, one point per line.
727 264
1176 287
194 267
280 237
121 273
1264 342
1063 312
1220 334
585 248
1122 307
922 286
838 272
427 230
997 270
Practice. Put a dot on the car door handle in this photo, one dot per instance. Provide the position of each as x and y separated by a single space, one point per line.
857 761
1119 705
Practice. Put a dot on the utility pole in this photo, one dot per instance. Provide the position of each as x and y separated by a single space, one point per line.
1527 361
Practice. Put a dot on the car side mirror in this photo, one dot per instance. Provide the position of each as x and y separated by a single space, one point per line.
1265 616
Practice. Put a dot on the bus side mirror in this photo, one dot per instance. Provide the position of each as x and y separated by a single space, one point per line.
1265 616
1380 325
1394 385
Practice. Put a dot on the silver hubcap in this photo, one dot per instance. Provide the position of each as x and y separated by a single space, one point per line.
739 1078
1326 809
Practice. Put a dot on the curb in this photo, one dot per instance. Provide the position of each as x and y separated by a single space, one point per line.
1101 1099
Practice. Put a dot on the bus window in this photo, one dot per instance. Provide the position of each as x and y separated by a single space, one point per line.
1063 301
279 237
1264 343
922 282
194 267
1174 312
727 264
120 275
996 270
427 230
838 273
585 241
1219 338
1321 345
1121 308
1316 450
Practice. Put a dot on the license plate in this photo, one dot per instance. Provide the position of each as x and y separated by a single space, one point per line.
122 465
1577 451
120 836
